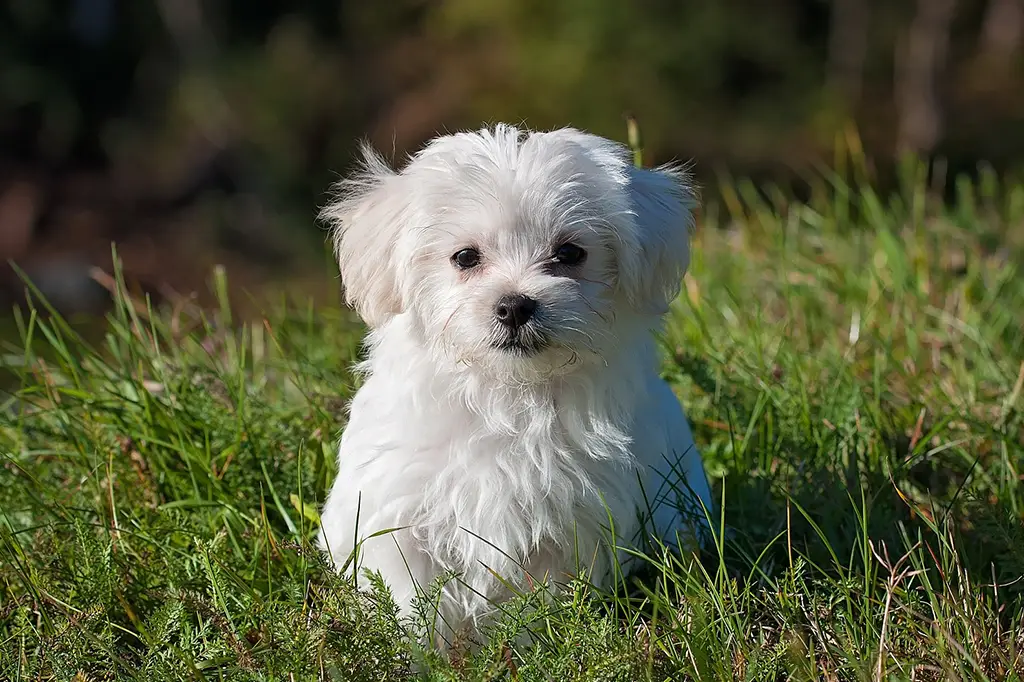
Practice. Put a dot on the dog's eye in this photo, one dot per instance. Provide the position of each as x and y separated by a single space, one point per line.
570 254
466 259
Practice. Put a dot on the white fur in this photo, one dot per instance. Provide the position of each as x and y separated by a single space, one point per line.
490 464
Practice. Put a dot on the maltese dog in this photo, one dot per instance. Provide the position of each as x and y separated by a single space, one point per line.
512 426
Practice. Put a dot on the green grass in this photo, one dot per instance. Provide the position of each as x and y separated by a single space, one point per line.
853 368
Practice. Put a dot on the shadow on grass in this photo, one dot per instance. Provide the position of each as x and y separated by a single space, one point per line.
834 496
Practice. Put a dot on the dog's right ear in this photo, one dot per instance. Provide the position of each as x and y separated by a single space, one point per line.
367 218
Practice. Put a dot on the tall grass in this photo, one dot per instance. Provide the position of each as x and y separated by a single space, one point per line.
853 366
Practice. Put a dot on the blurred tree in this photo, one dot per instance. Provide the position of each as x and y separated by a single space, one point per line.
921 59
1003 28
848 48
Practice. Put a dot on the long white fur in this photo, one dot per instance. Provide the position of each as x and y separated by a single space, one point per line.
489 465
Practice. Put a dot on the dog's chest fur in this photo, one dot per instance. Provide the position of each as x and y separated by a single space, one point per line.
530 486
494 477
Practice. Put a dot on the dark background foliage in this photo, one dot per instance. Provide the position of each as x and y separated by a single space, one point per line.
194 132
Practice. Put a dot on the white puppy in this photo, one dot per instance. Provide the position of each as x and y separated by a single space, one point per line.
512 412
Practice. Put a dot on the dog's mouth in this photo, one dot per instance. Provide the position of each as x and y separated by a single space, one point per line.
522 343
517 347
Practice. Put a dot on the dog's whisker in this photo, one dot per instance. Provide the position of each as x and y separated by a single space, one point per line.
594 310
606 285
449 320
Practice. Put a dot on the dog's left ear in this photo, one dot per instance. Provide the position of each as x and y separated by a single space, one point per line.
651 269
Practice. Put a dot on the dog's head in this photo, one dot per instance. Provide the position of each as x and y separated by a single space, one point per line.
514 249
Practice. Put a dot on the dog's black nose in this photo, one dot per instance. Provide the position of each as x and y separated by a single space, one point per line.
514 310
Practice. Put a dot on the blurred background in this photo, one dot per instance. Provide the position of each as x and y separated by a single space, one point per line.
195 132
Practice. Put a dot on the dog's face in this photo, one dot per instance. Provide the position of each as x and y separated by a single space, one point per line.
522 253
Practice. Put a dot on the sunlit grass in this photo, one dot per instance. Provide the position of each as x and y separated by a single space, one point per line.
854 370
